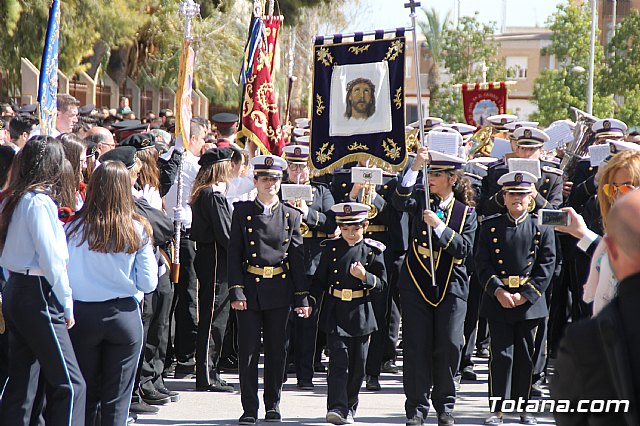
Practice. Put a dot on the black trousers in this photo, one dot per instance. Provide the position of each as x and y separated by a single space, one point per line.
432 344
346 372
185 301
155 317
385 339
511 365
39 346
272 323
305 336
471 322
213 314
107 340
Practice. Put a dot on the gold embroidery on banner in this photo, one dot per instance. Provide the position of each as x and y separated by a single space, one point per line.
324 56
323 157
356 50
321 106
398 98
262 94
357 146
391 149
395 49
260 120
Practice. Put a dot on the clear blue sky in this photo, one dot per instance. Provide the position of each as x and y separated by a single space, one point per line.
383 14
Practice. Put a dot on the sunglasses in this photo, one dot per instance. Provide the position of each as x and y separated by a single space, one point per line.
611 189
297 166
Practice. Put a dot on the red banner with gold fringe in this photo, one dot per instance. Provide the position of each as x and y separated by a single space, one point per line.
482 100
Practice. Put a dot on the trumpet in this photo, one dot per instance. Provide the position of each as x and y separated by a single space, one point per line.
304 228
368 192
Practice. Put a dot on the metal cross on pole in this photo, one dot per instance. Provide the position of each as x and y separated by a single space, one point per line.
412 5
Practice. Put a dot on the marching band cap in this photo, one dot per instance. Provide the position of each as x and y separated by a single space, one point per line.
268 165
499 121
462 128
616 147
511 127
296 153
124 154
303 140
530 137
429 123
302 123
301 132
225 120
28 109
86 109
519 181
215 155
347 213
609 128
441 162
140 141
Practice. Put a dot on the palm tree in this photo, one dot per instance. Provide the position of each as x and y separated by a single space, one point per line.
433 30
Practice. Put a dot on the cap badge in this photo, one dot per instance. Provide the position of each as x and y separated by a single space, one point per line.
519 177
268 161
297 151
145 142
527 133
503 121
348 209
606 124
428 123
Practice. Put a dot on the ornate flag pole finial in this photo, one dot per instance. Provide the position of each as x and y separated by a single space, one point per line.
412 5
188 9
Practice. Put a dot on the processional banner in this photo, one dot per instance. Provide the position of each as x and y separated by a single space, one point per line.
482 100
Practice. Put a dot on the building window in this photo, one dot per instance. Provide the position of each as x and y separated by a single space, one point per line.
408 63
517 67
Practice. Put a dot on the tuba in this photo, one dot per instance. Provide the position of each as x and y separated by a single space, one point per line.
583 137
482 142
368 193
413 140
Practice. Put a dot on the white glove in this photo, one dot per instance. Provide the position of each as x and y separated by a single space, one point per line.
179 214
152 196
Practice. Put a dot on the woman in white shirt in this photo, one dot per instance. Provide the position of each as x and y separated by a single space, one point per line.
111 265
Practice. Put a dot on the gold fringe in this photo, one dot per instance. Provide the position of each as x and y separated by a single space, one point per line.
253 138
361 156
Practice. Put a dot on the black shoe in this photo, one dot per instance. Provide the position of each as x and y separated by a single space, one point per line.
494 420
272 416
305 384
469 374
173 395
229 364
184 371
336 418
169 370
319 367
390 367
142 407
247 420
445 419
154 397
415 420
215 387
372 383
536 389
482 353
528 420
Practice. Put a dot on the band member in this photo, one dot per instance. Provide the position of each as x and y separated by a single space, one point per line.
226 126
266 276
350 269
318 224
514 265
433 316
210 229
37 302
390 227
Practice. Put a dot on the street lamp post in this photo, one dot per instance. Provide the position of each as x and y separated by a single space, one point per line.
592 52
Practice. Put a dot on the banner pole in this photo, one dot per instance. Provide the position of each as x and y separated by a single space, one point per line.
425 175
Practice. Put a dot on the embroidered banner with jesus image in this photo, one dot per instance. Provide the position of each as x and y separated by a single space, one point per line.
358 109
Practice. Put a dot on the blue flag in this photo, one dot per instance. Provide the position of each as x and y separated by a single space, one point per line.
48 83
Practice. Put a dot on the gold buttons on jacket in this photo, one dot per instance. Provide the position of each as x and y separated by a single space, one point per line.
254 255
284 276
335 271
423 233
344 185
497 251
257 279
495 240
248 217
253 243
250 229
286 215
500 261
493 229
286 240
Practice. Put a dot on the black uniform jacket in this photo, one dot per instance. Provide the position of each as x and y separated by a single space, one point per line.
453 246
321 222
525 250
355 317
549 188
260 240
598 360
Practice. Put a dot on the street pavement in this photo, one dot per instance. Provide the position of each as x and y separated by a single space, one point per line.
308 407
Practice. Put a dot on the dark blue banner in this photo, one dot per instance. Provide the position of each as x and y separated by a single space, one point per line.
358 109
